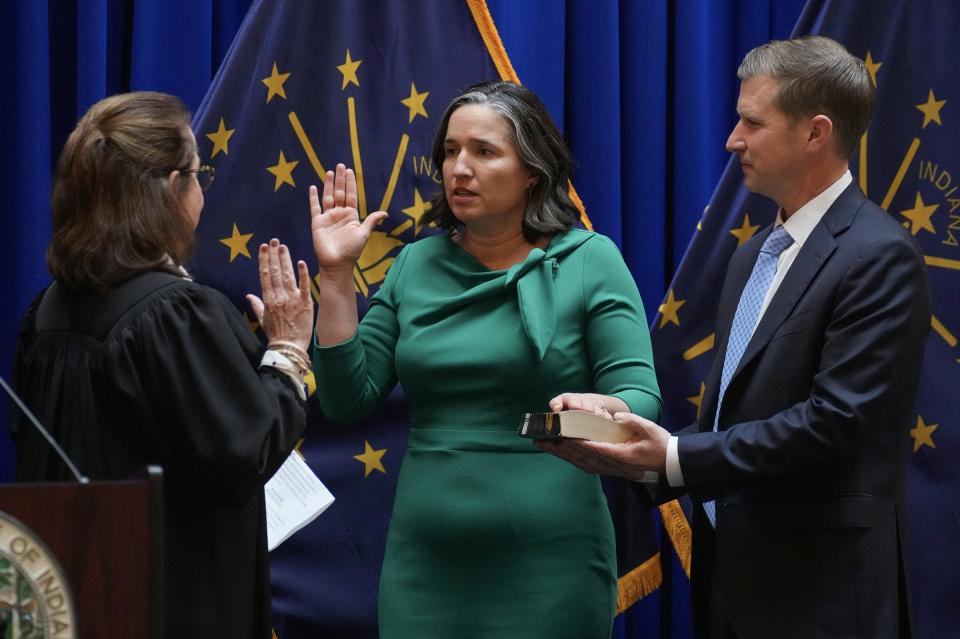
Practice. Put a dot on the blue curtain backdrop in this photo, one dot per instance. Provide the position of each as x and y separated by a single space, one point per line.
645 92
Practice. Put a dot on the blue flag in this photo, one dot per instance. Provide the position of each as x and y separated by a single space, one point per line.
907 163
307 85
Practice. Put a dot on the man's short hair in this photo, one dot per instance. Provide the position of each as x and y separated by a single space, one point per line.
817 75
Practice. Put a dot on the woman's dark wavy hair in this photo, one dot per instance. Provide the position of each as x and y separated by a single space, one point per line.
114 213
540 147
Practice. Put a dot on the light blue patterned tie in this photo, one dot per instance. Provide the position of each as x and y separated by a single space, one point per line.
745 319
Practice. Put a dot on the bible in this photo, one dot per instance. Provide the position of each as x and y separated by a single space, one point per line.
573 423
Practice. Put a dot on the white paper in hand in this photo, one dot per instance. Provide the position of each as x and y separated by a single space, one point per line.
295 497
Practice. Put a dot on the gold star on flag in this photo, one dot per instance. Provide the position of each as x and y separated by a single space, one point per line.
311 381
417 210
349 71
237 243
745 232
931 110
668 310
920 215
415 102
283 172
220 139
697 399
923 434
872 67
275 83
371 459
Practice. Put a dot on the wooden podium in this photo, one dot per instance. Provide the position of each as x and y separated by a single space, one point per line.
107 539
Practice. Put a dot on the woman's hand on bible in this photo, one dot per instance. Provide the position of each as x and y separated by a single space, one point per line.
588 402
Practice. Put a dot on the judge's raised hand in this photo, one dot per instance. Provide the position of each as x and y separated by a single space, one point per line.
338 234
286 311
646 450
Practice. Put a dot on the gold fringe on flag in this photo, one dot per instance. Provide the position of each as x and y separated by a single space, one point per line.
647 577
678 529
638 583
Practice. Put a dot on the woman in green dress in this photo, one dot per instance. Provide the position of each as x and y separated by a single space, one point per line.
507 310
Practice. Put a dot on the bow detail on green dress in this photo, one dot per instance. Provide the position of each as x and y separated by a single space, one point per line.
533 278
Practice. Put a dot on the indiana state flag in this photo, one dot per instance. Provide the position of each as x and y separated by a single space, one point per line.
907 162
308 84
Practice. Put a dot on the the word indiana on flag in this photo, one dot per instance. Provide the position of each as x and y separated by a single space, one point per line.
908 163
307 85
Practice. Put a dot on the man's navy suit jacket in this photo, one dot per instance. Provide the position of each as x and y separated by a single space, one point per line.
808 465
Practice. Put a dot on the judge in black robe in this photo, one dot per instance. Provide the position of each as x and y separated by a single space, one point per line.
129 362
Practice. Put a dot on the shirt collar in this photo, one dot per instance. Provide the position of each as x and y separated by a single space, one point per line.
183 272
801 224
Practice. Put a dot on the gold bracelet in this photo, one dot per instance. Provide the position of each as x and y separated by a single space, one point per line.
284 342
293 357
296 358
280 343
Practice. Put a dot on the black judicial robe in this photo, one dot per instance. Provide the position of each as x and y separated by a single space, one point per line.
162 370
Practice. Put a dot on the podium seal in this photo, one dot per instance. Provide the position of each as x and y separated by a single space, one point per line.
35 598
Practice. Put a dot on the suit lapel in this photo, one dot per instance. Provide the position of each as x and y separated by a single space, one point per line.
816 250
814 253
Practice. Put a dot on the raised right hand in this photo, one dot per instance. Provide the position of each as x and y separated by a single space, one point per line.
286 311
338 235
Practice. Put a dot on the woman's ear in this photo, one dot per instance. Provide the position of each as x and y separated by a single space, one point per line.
172 178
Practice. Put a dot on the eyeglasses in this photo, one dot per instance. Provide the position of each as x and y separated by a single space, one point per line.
204 175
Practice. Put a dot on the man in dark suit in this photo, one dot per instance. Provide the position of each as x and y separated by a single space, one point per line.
797 463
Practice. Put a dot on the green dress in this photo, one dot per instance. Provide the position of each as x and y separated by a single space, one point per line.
491 538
